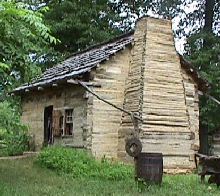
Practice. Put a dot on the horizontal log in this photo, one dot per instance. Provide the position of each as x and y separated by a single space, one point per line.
164 112
164 95
166 134
156 29
180 148
151 117
165 123
166 87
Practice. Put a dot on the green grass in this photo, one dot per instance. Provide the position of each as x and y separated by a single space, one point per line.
23 177
80 163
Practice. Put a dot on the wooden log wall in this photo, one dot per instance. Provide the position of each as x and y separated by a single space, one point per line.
215 144
133 95
192 103
33 104
104 119
167 101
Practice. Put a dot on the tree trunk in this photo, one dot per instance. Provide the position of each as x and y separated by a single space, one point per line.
209 14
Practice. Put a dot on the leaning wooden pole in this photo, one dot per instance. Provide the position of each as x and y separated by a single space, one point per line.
132 114
210 97
133 145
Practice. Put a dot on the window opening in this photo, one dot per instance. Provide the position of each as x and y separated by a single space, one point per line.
68 122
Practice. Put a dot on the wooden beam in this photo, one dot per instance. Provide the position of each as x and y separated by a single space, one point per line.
210 97
72 81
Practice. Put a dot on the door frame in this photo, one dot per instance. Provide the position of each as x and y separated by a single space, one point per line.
48 122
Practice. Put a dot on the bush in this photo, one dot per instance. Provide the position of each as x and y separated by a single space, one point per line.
10 117
13 134
12 143
16 143
79 163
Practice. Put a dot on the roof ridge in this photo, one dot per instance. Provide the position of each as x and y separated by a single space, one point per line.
114 39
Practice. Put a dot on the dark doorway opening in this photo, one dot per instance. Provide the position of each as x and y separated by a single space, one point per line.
204 139
48 117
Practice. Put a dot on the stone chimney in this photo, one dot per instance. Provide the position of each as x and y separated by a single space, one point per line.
154 87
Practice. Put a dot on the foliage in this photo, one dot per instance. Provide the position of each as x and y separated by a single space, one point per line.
206 59
24 41
190 15
23 178
192 20
9 117
79 163
79 24
13 143
203 50
13 134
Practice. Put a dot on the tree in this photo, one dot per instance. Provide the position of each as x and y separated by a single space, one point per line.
24 41
80 23
203 48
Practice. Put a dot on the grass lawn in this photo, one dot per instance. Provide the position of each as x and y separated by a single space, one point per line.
23 177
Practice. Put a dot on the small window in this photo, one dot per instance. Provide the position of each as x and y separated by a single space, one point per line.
69 116
68 122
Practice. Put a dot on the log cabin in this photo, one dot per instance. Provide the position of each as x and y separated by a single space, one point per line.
140 72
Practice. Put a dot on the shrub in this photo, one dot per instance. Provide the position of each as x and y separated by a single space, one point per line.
13 134
12 143
79 163
10 117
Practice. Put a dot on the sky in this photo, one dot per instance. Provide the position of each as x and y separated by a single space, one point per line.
179 43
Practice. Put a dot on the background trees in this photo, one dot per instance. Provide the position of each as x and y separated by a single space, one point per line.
27 47
203 49
24 41
79 24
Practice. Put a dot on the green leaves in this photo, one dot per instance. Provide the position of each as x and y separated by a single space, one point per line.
4 66
206 59
24 41
13 134
79 24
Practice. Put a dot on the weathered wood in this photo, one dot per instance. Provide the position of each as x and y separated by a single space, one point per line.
156 88
210 165
104 100
94 84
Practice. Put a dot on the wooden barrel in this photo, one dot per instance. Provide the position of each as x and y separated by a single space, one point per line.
149 167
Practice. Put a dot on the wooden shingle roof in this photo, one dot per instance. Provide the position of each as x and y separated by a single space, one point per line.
79 63
84 61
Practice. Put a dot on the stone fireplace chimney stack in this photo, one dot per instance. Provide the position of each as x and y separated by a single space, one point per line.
155 90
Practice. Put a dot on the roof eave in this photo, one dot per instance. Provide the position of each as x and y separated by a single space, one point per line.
203 85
